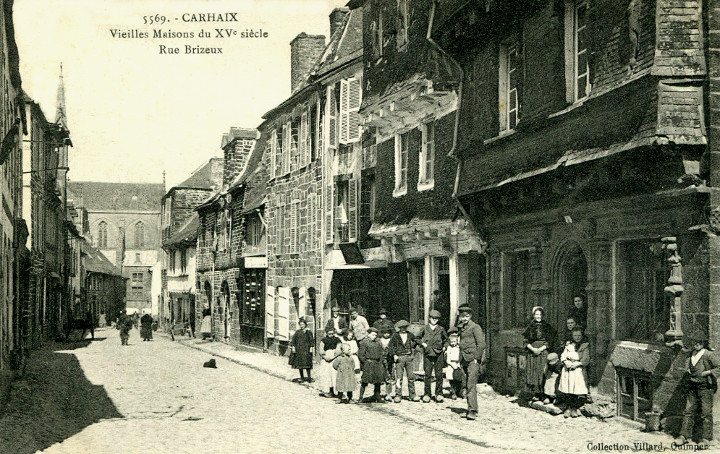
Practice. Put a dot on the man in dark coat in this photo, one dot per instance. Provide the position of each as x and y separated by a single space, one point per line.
383 323
433 341
336 322
371 353
472 356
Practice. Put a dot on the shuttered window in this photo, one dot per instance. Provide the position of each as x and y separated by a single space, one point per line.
350 99
332 118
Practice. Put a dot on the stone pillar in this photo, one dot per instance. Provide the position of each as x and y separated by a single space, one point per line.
674 290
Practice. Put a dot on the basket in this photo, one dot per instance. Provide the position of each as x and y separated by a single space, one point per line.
652 421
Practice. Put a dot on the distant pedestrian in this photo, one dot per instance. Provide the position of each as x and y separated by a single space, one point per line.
302 346
345 380
453 371
383 323
329 348
371 354
358 325
206 325
433 342
702 370
402 347
336 321
539 340
573 379
146 322
124 324
472 357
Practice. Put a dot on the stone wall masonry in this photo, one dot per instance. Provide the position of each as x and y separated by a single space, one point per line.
679 50
236 154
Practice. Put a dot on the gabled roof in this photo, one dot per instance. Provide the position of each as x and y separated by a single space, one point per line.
96 196
345 46
202 178
95 262
188 231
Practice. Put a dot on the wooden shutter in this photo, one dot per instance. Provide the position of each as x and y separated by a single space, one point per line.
329 206
353 191
283 313
344 110
270 153
332 118
270 312
319 130
353 114
286 148
294 227
304 134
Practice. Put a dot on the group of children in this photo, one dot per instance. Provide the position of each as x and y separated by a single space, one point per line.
382 358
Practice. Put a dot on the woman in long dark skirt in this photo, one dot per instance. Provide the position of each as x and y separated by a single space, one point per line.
539 340
302 346
146 322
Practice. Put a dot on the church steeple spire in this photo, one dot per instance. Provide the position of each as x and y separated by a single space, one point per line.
60 113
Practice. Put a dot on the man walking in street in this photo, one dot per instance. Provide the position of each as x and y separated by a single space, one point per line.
433 341
472 356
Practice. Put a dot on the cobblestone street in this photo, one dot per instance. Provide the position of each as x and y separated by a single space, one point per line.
157 397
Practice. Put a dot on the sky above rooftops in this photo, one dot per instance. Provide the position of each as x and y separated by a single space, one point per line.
133 112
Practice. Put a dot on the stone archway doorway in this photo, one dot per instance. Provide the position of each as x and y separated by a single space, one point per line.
570 280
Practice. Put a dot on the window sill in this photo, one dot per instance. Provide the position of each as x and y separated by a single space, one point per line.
500 136
569 108
399 192
426 185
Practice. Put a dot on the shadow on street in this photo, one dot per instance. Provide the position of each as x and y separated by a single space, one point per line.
52 402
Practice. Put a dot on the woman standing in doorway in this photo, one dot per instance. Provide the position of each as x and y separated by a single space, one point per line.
539 340
206 327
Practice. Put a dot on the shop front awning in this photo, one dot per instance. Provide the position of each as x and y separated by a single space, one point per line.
337 260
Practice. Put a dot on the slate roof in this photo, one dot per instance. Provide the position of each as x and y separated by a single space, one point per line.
345 45
94 261
202 178
95 195
188 232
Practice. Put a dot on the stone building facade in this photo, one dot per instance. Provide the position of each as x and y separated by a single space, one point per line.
124 222
409 115
220 237
586 163
179 237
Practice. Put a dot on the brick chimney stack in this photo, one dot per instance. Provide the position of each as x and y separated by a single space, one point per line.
236 145
337 17
304 52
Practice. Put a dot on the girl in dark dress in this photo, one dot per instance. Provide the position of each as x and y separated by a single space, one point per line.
302 346
146 327
539 340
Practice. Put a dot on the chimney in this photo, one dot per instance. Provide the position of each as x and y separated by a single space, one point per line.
337 17
236 145
304 52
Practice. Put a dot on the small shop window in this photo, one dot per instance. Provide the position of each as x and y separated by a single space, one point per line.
634 394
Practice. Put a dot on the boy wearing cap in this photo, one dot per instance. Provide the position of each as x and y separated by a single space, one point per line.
433 341
401 348
702 370
553 368
388 362
371 354
472 356
383 323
